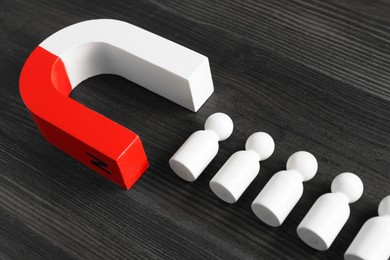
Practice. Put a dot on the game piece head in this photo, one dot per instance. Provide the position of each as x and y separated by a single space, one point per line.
303 162
221 124
349 184
384 207
262 143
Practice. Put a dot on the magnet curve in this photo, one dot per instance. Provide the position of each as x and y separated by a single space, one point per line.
106 46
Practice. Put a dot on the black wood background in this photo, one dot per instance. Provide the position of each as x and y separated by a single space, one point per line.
314 74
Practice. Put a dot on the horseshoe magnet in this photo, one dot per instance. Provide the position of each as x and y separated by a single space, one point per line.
94 47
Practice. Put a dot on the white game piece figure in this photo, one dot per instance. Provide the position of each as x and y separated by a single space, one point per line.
330 212
373 240
284 189
242 167
201 147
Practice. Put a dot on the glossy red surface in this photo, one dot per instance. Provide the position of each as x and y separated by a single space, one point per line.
96 141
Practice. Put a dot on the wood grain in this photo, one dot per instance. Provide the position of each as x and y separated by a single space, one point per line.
314 74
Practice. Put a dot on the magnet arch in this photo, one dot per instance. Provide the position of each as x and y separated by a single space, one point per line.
105 46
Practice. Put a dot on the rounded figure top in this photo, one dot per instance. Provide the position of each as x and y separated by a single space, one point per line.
221 124
384 207
349 184
262 143
303 162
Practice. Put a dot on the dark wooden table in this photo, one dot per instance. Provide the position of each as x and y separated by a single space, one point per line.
313 74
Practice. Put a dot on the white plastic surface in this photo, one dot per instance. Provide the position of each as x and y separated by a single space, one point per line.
348 184
221 124
303 162
108 46
373 240
262 143
242 167
282 192
201 147
330 212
